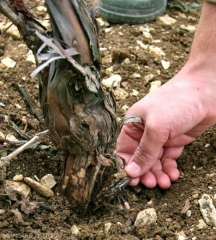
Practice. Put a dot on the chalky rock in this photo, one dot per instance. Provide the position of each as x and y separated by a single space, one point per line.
146 217
38 187
134 93
154 85
166 20
75 230
8 62
113 81
142 45
120 94
156 51
207 209
30 57
107 227
149 77
2 211
165 64
12 31
201 224
181 236
19 186
18 178
48 181
189 28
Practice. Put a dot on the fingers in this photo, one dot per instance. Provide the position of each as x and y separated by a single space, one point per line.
169 167
128 140
147 152
162 174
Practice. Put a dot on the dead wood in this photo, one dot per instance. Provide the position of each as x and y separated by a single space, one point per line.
79 115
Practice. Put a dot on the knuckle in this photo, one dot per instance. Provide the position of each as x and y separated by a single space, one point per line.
143 157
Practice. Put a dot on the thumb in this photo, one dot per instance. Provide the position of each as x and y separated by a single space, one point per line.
147 152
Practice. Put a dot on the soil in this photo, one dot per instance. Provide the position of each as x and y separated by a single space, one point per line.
196 163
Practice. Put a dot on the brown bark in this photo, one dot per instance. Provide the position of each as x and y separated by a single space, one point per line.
80 116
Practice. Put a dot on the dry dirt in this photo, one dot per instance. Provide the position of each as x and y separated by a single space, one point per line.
196 164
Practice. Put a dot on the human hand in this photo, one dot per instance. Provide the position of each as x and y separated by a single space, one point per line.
173 116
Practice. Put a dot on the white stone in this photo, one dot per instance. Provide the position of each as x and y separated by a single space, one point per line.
126 61
18 106
120 94
188 213
18 178
113 81
134 93
207 209
181 236
154 85
18 186
8 62
157 51
147 216
136 75
146 32
142 45
165 64
48 181
75 230
201 224
102 22
107 227
2 211
125 107
166 20
189 28
30 57
149 77
106 30
147 35
12 31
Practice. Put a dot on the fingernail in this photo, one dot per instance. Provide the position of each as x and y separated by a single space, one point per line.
133 169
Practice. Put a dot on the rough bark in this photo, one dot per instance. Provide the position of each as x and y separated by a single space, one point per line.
80 116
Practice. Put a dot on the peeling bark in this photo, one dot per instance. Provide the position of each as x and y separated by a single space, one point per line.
80 116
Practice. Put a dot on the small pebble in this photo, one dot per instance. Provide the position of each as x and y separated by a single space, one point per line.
8 62
18 178
189 28
157 51
207 209
107 227
165 64
2 211
75 230
201 224
48 181
38 187
147 216
113 81
149 77
30 57
166 20
154 85
120 94
134 93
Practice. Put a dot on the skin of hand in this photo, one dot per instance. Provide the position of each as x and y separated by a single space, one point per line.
174 114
